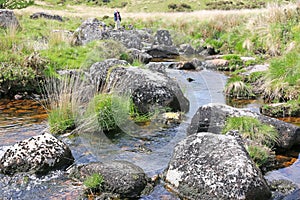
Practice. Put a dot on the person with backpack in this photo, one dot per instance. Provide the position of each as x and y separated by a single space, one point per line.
117 18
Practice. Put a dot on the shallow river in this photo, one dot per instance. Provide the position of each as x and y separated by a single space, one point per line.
148 147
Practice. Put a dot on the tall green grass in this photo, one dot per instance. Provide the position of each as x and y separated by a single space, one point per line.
259 138
107 111
253 129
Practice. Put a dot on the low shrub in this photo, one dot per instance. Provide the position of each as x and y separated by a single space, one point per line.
15 78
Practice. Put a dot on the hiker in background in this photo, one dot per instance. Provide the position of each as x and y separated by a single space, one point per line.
117 18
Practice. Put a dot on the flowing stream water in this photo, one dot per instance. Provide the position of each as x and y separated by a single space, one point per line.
148 147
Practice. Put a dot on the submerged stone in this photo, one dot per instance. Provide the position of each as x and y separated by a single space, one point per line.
119 177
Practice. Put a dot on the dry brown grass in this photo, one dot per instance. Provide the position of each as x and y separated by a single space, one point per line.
88 11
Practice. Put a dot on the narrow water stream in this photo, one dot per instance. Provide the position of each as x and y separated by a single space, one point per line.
150 148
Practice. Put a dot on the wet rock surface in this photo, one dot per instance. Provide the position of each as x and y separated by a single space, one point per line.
213 166
283 188
212 118
120 177
39 154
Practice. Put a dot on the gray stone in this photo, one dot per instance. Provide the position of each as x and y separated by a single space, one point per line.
187 49
213 166
46 16
197 63
163 37
157 67
208 51
39 154
93 29
98 71
130 39
143 57
148 89
88 31
120 177
212 118
161 51
8 19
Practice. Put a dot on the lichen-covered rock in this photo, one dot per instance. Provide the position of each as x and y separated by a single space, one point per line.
157 67
38 154
99 71
212 118
163 37
119 177
130 39
93 29
186 49
148 89
8 19
143 57
89 30
213 166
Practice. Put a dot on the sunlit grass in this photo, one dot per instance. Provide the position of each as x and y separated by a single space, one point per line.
253 129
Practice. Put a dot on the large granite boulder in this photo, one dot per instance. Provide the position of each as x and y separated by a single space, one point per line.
89 30
39 154
212 118
148 89
119 177
99 71
213 166
8 19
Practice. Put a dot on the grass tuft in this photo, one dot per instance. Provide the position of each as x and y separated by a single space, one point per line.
251 128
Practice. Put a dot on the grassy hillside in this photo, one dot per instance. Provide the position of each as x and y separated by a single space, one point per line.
171 5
